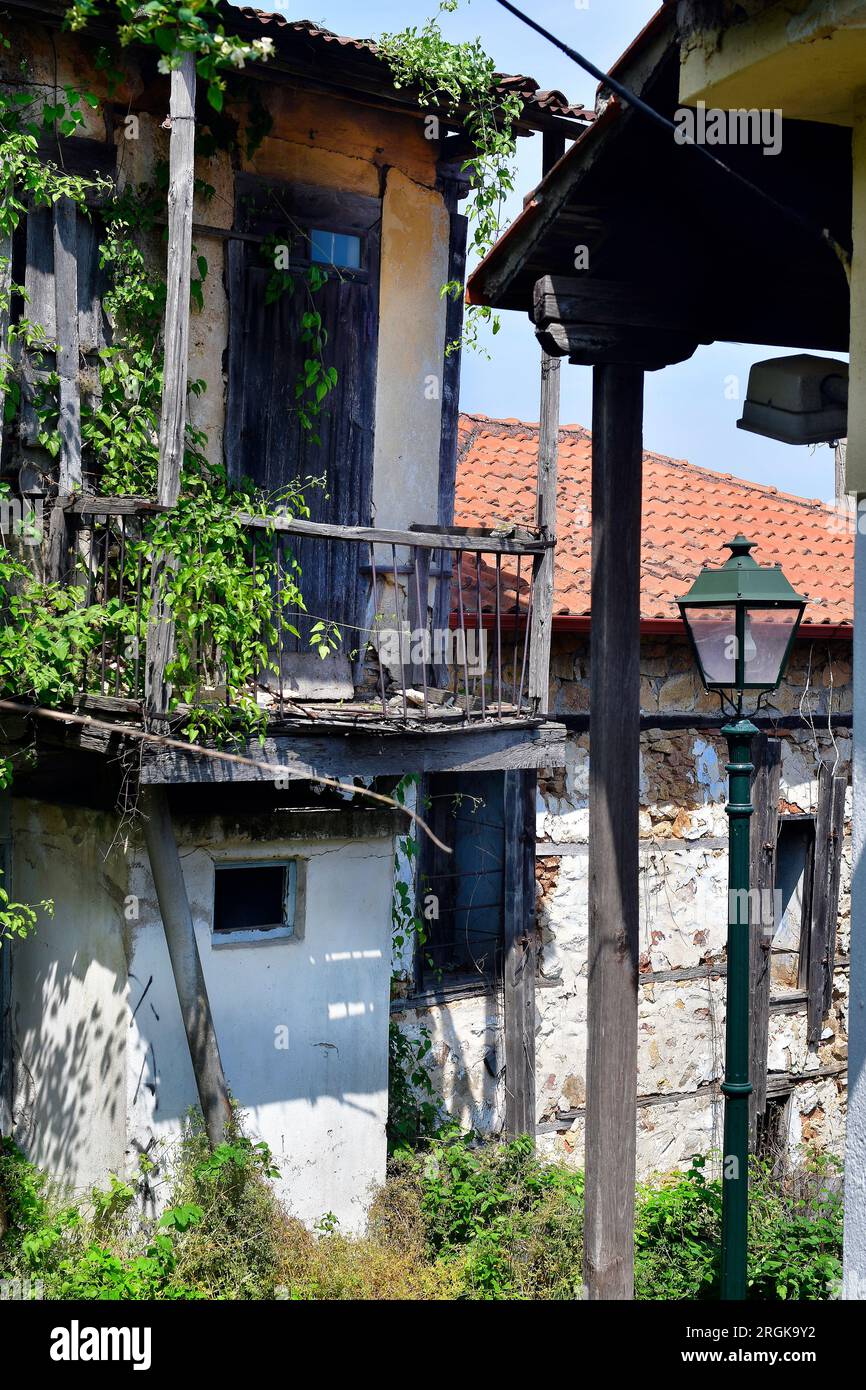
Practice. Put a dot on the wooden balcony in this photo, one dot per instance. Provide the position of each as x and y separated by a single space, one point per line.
419 634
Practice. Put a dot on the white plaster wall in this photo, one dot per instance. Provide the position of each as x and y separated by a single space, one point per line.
69 994
321 1101
467 1058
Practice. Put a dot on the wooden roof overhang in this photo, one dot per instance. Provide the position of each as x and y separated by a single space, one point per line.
675 245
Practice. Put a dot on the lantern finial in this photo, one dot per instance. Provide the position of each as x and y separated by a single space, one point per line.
739 547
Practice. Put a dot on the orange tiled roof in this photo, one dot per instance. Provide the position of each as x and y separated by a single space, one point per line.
551 102
688 514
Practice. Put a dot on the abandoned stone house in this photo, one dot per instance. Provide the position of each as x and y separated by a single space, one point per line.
799 1039
278 891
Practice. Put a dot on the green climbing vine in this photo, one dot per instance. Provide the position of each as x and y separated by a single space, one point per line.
220 593
173 30
227 609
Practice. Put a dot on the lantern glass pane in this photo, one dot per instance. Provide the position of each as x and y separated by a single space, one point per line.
714 634
765 641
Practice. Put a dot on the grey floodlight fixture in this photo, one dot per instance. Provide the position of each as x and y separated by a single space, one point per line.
797 400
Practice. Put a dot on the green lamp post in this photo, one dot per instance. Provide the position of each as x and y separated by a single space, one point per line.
741 619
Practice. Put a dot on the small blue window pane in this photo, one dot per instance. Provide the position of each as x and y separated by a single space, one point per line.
335 248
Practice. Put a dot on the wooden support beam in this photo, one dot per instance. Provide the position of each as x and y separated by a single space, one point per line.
185 964
581 300
543 573
552 149
172 422
611 1083
478 539
519 972
458 224
763 834
604 321
466 748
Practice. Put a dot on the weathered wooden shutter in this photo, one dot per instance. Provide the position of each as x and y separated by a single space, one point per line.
264 438
829 835
80 233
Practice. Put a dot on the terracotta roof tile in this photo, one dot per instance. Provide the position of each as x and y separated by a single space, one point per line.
688 514
553 102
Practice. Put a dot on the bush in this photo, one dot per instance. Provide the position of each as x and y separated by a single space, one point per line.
515 1221
457 1219
795 1233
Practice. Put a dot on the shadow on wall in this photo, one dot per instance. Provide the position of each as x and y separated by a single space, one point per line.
302 1018
70 1019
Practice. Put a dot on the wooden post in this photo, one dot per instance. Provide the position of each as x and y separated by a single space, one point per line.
181 180
544 567
172 422
611 1082
519 965
453 188
763 832
185 963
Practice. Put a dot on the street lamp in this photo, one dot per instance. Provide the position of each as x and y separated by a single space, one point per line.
742 619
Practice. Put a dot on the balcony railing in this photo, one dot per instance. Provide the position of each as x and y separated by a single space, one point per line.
431 623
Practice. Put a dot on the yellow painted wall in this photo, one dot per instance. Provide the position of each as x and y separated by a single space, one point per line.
411 344
807 57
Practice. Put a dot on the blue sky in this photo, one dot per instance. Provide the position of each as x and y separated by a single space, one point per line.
691 408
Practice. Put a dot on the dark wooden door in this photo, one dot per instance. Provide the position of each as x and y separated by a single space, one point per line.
265 438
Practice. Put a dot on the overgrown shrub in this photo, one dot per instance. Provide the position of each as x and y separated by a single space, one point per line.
795 1233
456 1219
515 1221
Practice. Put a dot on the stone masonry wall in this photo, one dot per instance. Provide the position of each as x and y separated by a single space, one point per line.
683 869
